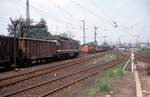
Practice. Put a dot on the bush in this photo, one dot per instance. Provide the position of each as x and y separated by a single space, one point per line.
103 85
117 72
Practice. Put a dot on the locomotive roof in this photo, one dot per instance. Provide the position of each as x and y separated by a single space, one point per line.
60 38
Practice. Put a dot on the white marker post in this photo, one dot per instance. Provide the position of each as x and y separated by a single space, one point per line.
132 60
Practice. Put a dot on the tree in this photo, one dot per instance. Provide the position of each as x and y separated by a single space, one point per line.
39 30
10 28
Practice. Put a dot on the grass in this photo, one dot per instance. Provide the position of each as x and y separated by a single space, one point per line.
108 58
104 84
117 72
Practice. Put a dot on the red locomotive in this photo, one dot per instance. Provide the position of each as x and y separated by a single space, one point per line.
88 48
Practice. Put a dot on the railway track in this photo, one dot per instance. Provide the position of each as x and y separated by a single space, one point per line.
63 81
25 76
143 57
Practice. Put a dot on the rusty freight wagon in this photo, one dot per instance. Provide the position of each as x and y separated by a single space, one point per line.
27 50
7 50
36 50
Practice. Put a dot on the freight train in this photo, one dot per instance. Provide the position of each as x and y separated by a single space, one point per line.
28 50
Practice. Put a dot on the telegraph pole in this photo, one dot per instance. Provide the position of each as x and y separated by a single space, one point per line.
28 17
104 38
95 35
67 28
84 41
67 31
15 24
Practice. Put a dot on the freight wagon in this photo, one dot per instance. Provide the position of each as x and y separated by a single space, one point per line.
27 50
30 50
35 50
7 50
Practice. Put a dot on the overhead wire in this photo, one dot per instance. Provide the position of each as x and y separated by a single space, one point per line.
50 13
66 11
106 15
43 11
89 11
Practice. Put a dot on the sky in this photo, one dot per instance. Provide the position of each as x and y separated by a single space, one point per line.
131 16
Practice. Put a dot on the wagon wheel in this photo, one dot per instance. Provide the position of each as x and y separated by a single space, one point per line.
8 64
28 62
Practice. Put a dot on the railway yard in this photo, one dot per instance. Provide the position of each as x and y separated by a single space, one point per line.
69 78
74 48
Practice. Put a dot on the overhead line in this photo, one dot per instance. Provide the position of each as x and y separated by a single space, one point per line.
66 11
43 11
56 18
49 14
102 12
46 12
91 12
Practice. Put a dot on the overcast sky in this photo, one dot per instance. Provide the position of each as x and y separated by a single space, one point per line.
132 17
